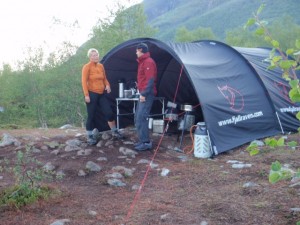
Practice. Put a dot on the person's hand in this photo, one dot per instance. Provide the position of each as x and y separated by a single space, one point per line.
107 88
87 99
142 98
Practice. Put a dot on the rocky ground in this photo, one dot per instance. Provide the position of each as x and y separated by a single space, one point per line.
112 184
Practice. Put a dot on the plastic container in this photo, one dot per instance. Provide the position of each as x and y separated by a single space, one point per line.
201 142
158 126
150 123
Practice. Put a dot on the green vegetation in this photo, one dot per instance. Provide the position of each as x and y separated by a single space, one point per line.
50 94
220 16
29 175
47 93
288 65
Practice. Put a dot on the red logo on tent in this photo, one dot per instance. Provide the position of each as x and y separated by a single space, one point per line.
281 87
233 96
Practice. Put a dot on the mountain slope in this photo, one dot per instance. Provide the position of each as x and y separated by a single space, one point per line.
219 15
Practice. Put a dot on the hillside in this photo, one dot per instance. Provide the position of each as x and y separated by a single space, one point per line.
220 15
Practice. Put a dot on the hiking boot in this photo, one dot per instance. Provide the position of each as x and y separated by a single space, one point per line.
137 144
116 134
96 134
91 140
144 147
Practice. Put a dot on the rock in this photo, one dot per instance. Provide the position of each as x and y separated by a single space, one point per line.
249 184
100 144
9 140
115 175
48 166
135 187
258 143
295 209
146 161
164 172
128 152
70 148
92 213
127 172
233 161
73 142
116 182
52 144
241 166
106 136
102 159
81 173
91 166
66 126
164 217
109 143
61 222
55 152
85 152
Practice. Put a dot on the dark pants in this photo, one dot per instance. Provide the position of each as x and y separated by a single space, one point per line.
141 118
97 100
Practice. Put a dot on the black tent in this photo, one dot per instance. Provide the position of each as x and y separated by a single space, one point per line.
226 89
278 87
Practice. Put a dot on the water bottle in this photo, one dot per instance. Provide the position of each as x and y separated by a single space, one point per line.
121 89
201 142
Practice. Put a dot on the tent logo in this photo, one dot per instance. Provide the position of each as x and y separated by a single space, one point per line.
281 87
234 97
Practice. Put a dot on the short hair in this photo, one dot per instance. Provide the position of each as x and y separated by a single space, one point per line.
143 46
90 52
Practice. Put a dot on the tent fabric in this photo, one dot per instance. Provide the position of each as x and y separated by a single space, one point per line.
227 92
278 87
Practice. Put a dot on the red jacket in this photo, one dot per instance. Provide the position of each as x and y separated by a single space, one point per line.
147 75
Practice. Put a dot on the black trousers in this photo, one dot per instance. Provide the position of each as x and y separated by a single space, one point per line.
98 101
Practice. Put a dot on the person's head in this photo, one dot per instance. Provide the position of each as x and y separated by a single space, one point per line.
141 49
93 55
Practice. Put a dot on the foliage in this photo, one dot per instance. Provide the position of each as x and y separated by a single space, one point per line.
254 149
185 35
278 173
284 29
49 93
120 26
28 174
288 61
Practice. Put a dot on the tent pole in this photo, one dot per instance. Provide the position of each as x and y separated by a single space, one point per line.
279 123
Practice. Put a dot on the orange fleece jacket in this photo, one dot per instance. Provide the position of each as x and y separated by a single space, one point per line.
93 78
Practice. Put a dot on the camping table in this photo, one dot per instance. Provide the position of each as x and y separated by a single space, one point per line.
135 100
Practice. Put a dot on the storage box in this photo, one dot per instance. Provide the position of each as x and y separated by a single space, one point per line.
158 126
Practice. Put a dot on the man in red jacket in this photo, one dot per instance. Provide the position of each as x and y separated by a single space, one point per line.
146 84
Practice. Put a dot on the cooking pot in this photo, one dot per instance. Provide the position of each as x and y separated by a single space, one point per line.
186 108
128 93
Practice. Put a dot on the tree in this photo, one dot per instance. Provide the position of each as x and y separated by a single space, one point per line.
185 35
284 29
120 26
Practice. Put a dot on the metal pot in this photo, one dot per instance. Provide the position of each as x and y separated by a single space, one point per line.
186 108
128 93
